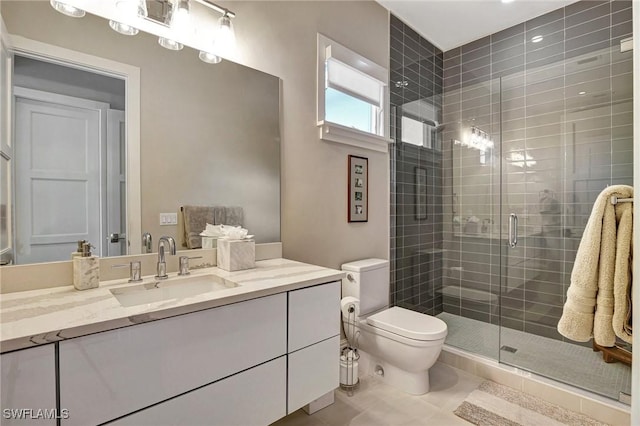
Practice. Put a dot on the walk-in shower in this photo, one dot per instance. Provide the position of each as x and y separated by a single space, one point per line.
534 121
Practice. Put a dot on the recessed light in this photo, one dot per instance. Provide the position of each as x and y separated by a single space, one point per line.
582 93
507 1
536 39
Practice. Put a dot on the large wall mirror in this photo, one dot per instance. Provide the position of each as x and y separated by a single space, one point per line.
209 136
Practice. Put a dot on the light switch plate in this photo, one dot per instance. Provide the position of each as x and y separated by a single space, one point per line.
168 219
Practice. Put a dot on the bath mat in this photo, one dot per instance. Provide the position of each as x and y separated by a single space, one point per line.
498 405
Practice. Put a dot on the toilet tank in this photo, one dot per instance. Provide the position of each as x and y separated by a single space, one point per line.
367 280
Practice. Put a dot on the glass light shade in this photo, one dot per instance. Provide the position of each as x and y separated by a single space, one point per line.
209 58
182 9
67 9
167 43
225 44
133 7
123 28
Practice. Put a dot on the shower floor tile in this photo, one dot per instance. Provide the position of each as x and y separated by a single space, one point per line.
565 362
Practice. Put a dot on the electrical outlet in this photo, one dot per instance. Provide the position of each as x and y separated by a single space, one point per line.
168 219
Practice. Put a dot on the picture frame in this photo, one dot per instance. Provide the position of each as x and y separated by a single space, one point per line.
358 189
420 193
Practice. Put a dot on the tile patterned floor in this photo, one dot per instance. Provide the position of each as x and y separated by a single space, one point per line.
566 362
378 404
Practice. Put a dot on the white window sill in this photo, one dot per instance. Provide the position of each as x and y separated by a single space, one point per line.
336 133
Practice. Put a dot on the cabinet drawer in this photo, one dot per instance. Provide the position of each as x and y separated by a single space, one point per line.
313 371
28 382
111 374
314 315
254 397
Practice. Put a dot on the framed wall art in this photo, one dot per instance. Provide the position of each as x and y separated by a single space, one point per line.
358 190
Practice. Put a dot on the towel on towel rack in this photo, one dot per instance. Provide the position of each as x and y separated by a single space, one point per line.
589 308
622 284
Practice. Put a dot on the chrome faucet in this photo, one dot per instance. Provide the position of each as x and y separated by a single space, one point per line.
162 265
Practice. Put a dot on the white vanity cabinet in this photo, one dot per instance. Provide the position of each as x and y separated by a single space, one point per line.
28 384
314 343
253 397
247 363
108 375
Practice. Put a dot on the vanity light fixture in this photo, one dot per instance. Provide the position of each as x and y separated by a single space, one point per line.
167 43
123 28
67 9
173 14
132 7
209 58
225 36
135 8
178 20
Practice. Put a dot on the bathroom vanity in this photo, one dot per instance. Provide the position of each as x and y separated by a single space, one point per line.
245 354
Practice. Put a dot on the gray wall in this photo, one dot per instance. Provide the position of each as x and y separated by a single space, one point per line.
527 96
416 213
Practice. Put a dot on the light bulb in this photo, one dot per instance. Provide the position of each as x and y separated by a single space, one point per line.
123 28
181 10
67 9
167 43
133 7
209 58
225 43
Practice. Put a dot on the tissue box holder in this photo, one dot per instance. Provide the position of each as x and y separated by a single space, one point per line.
209 242
236 255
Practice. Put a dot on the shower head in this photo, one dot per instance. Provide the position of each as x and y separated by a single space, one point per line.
438 126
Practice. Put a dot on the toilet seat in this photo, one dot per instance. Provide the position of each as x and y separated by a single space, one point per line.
410 324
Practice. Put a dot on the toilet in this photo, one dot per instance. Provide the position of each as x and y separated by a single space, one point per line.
402 344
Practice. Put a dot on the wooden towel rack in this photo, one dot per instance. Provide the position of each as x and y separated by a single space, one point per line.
613 354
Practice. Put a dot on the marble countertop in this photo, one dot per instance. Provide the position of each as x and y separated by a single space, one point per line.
37 317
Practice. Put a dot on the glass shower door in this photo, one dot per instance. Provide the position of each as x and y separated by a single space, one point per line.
566 132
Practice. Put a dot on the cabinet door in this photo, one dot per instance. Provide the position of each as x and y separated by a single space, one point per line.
314 315
28 383
254 397
107 375
313 371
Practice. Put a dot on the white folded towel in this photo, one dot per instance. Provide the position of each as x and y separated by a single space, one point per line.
592 277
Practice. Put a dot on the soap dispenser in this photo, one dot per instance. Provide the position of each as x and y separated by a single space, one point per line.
78 251
86 269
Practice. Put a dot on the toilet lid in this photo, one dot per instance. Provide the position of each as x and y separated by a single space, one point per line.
413 325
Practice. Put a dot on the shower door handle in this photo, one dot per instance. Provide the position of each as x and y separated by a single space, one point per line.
513 230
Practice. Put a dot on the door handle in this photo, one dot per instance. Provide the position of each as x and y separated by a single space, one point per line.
115 237
513 230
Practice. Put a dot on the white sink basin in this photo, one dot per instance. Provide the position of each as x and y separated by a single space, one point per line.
173 288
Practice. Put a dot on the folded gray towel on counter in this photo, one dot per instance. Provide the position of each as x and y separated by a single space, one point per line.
234 216
195 221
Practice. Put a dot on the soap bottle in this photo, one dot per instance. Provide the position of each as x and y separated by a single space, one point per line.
78 251
86 269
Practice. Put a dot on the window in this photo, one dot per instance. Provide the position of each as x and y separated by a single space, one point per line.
419 133
352 93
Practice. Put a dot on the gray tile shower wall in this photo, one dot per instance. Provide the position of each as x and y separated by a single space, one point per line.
555 96
416 171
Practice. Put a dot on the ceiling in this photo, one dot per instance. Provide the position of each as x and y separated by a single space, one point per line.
452 23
